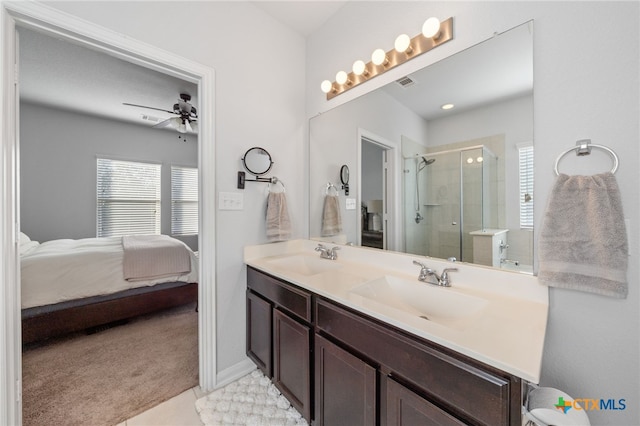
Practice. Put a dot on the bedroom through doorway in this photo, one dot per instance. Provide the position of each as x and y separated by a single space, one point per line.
198 77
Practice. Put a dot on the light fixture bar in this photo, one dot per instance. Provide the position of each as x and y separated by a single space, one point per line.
419 45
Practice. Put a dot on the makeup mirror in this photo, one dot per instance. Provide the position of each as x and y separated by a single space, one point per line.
344 178
257 161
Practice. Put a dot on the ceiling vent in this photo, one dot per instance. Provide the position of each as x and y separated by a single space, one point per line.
405 81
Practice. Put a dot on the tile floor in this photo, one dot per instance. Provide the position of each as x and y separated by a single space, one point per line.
178 411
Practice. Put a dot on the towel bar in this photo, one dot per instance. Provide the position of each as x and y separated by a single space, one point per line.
275 180
329 186
583 147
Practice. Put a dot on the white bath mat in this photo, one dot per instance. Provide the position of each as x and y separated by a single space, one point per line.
250 400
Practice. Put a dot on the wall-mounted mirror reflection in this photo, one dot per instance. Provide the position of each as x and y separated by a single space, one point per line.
444 156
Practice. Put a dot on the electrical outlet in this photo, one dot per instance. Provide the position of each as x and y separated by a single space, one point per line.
351 203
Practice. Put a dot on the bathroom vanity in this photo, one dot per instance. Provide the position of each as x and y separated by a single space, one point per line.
343 345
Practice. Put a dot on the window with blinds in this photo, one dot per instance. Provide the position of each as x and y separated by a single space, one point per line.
128 198
525 165
184 200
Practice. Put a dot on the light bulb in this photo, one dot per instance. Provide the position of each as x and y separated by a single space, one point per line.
379 57
403 44
326 86
431 28
341 77
479 159
469 160
447 106
359 68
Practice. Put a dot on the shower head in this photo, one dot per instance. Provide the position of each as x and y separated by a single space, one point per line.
424 162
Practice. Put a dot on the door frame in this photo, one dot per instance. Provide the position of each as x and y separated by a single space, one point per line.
45 19
390 186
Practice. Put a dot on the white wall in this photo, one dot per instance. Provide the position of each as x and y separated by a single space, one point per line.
58 151
585 86
259 100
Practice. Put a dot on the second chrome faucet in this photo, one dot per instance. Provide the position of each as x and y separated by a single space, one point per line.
327 253
426 273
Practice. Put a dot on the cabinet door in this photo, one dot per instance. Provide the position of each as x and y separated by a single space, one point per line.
259 329
406 408
292 361
345 387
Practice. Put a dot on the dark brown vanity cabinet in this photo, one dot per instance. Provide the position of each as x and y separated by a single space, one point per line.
356 370
279 336
407 408
345 390
259 329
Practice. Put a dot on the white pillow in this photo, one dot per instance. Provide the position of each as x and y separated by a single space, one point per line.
24 238
28 247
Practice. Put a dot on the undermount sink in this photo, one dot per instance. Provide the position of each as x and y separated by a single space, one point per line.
304 265
442 305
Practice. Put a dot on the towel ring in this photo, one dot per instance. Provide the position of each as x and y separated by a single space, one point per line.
583 147
275 180
328 188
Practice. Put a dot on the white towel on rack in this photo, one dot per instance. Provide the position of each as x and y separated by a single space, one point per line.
583 240
278 221
331 220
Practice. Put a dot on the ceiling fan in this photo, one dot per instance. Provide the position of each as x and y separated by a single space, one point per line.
187 116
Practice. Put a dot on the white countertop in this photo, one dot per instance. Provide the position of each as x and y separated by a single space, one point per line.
507 333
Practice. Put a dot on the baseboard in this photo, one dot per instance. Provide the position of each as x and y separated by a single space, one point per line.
234 372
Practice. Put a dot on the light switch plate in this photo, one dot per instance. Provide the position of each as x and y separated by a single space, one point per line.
351 203
230 200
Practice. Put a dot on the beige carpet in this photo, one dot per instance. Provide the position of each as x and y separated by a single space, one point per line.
115 374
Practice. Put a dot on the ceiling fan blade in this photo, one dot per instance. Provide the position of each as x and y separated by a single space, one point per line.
148 107
194 126
162 124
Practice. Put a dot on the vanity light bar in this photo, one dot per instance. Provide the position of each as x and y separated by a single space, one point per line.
383 61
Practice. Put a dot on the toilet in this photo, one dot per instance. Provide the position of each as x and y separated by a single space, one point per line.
541 409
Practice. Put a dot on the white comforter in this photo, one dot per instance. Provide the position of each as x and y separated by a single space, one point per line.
61 270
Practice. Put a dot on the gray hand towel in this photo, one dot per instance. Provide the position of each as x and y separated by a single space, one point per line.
278 221
583 240
331 220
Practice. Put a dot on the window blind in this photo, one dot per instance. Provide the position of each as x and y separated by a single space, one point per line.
184 200
525 165
128 198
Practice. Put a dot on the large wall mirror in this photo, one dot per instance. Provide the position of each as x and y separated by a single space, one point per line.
431 181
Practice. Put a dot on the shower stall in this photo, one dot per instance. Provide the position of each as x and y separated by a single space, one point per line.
447 195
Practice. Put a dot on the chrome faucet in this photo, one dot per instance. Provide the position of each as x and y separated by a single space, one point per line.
327 253
426 272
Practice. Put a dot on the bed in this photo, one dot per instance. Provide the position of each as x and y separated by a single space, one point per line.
72 285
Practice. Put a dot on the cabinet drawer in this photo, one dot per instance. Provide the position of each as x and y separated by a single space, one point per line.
289 298
469 392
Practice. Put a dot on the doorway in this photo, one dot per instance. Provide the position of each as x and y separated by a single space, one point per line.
65 27
377 191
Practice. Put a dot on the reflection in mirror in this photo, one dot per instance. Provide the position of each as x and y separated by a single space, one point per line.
257 161
458 181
